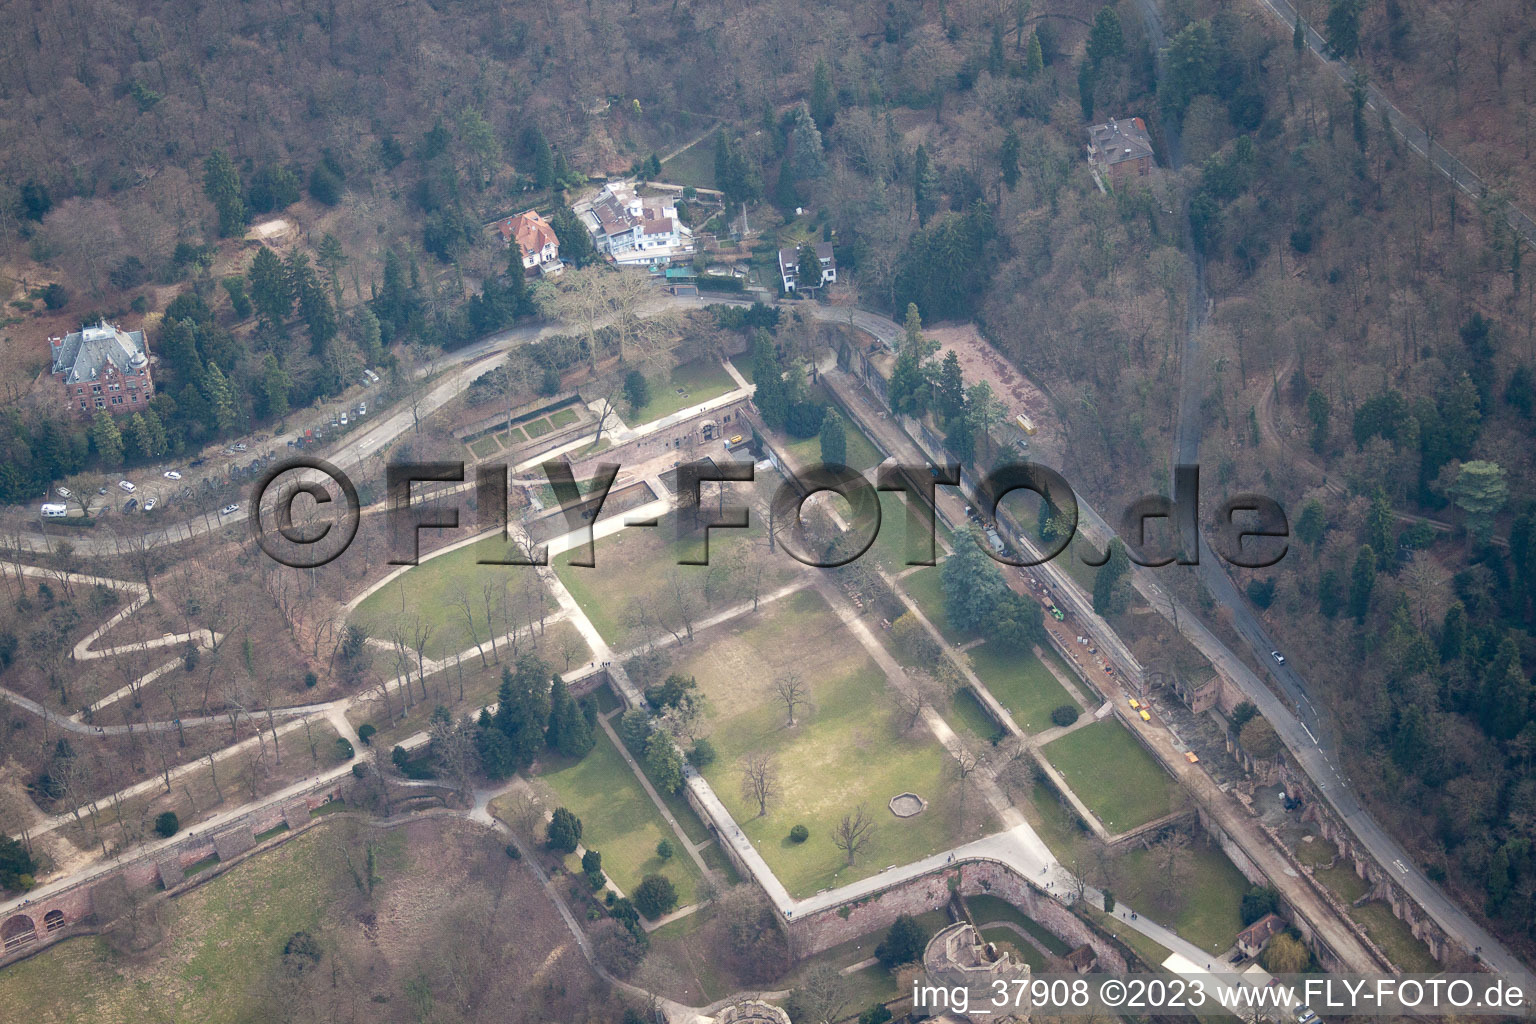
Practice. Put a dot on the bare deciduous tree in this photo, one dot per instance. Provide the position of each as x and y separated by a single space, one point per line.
759 780
792 693
854 833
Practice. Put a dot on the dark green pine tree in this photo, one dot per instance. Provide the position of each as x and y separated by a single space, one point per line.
771 396
949 399
834 439
221 184
823 98
568 734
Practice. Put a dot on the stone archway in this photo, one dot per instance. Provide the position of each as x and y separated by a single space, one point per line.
17 932
53 920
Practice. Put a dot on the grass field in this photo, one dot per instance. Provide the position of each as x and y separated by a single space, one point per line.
223 942
619 820
693 166
1021 684
990 909
484 447
966 710
1395 938
563 417
429 591
689 384
926 588
508 438
862 453
537 428
1112 774
640 563
845 751
890 547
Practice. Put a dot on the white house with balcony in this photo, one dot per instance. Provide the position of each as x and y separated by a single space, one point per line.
634 230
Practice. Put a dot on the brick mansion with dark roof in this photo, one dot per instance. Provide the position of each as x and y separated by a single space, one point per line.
103 367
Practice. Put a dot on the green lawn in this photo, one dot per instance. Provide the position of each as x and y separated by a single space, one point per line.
890 547
1395 938
688 384
223 944
926 588
1113 774
537 428
966 710
429 591
862 453
1206 908
845 751
484 447
639 564
988 909
508 438
564 417
1021 684
619 820
693 166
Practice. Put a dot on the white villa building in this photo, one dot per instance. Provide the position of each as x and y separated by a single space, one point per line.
634 230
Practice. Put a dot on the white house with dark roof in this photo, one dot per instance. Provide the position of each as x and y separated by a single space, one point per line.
635 230
103 367
789 266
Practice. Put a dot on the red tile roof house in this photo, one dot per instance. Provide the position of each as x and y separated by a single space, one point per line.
103 367
1120 149
536 239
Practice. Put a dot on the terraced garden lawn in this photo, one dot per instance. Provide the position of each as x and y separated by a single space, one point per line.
1021 684
846 750
618 820
508 438
1395 938
926 588
563 417
688 384
966 710
429 591
484 447
537 428
862 453
1205 908
890 547
987 909
640 564
1113 774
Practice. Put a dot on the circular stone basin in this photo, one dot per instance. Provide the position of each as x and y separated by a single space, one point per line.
908 805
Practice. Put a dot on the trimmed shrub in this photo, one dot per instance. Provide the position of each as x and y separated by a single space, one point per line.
799 834
167 824
1064 715
655 896
366 732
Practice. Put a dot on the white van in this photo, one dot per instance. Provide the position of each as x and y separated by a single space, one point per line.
53 510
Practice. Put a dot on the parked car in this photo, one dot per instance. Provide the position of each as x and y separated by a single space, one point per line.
240 447
372 376
101 490
53 510
149 506
126 486
64 492
1279 658
229 509
130 504
171 474
362 408
343 419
